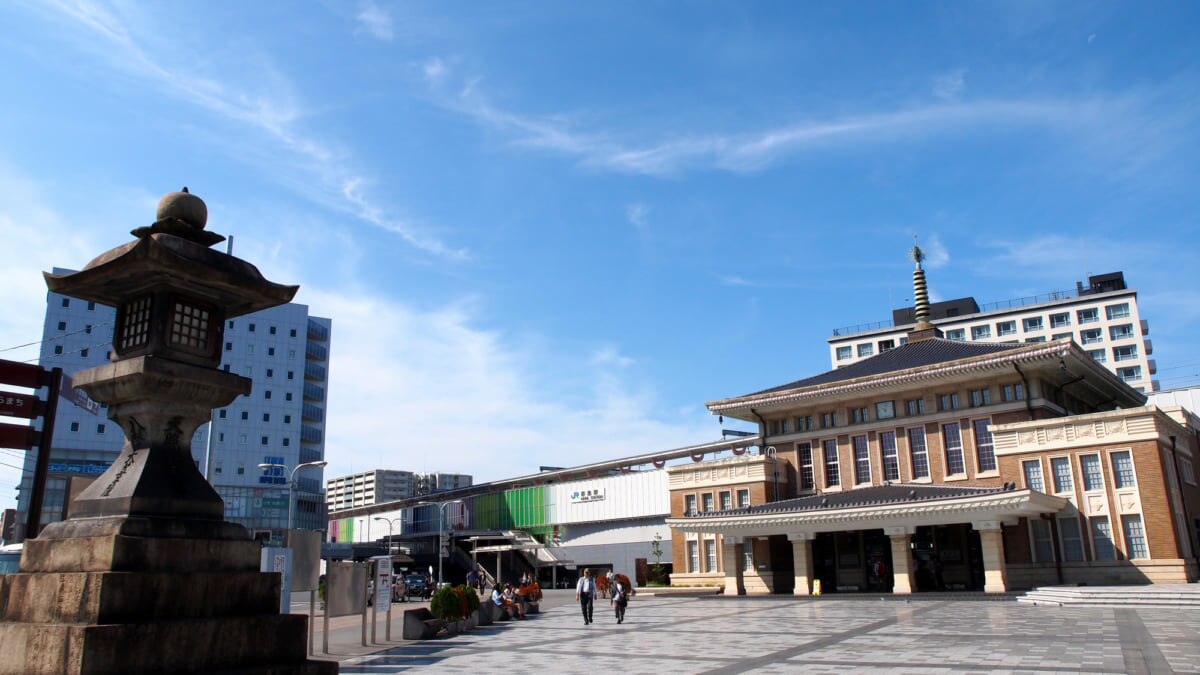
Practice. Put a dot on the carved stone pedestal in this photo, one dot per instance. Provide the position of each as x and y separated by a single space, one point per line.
148 578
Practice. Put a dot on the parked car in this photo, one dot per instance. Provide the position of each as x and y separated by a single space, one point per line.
417 588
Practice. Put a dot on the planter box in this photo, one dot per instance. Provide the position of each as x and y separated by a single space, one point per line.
420 624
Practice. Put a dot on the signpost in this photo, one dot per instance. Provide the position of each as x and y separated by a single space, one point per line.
23 437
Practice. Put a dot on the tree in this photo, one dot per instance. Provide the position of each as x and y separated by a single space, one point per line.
658 573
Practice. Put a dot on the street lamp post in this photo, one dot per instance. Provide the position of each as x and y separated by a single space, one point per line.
389 522
441 528
292 487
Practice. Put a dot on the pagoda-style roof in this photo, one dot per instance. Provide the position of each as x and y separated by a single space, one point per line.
940 359
912 355
161 261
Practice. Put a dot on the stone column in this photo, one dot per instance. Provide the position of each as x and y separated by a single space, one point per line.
802 561
991 538
732 557
902 565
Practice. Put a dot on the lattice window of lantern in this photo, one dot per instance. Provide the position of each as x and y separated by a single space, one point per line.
189 326
135 330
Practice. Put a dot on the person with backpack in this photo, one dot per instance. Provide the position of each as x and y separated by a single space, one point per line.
620 598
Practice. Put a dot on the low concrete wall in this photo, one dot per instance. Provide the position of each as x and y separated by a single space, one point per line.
1101 573
419 624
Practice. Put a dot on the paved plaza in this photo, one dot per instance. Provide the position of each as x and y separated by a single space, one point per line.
788 635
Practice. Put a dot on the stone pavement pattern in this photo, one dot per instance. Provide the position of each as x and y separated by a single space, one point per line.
786 635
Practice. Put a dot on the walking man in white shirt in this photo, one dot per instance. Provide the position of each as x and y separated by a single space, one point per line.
585 593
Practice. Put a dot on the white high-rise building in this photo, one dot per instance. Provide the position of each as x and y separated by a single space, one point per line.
1102 317
282 422
381 486
283 349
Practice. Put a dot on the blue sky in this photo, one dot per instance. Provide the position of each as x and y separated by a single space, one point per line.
547 233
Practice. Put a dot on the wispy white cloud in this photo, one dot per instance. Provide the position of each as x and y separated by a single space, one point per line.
950 86
734 280
936 254
746 151
435 69
375 20
429 371
265 103
1124 131
36 237
610 356
638 215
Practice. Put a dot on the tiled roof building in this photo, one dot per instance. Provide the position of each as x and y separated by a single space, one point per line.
944 464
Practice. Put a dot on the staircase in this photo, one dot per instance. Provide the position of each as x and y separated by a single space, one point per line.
538 554
1158 595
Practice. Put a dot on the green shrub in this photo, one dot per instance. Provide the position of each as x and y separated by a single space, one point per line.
447 604
472 598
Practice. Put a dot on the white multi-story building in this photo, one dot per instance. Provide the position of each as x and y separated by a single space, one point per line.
282 422
368 487
385 485
285 352
428 483
1102 317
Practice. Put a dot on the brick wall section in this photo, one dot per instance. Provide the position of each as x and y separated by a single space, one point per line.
1157 517
761 492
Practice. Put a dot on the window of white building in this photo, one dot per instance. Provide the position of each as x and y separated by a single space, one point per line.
1120 311
1125 353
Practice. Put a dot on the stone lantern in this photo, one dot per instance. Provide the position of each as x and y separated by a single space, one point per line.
147 576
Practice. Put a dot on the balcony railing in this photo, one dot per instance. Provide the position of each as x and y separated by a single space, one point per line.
313 393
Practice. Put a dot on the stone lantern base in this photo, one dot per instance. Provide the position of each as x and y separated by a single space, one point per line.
115 596
149 579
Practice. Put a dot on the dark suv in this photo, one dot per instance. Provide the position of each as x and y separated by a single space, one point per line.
417 588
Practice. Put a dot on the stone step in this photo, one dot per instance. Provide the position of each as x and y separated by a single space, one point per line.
255 644
1155 596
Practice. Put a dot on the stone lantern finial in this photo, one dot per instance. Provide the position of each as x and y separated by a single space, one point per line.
184 215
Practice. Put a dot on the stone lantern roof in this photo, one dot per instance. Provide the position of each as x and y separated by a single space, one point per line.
173 254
